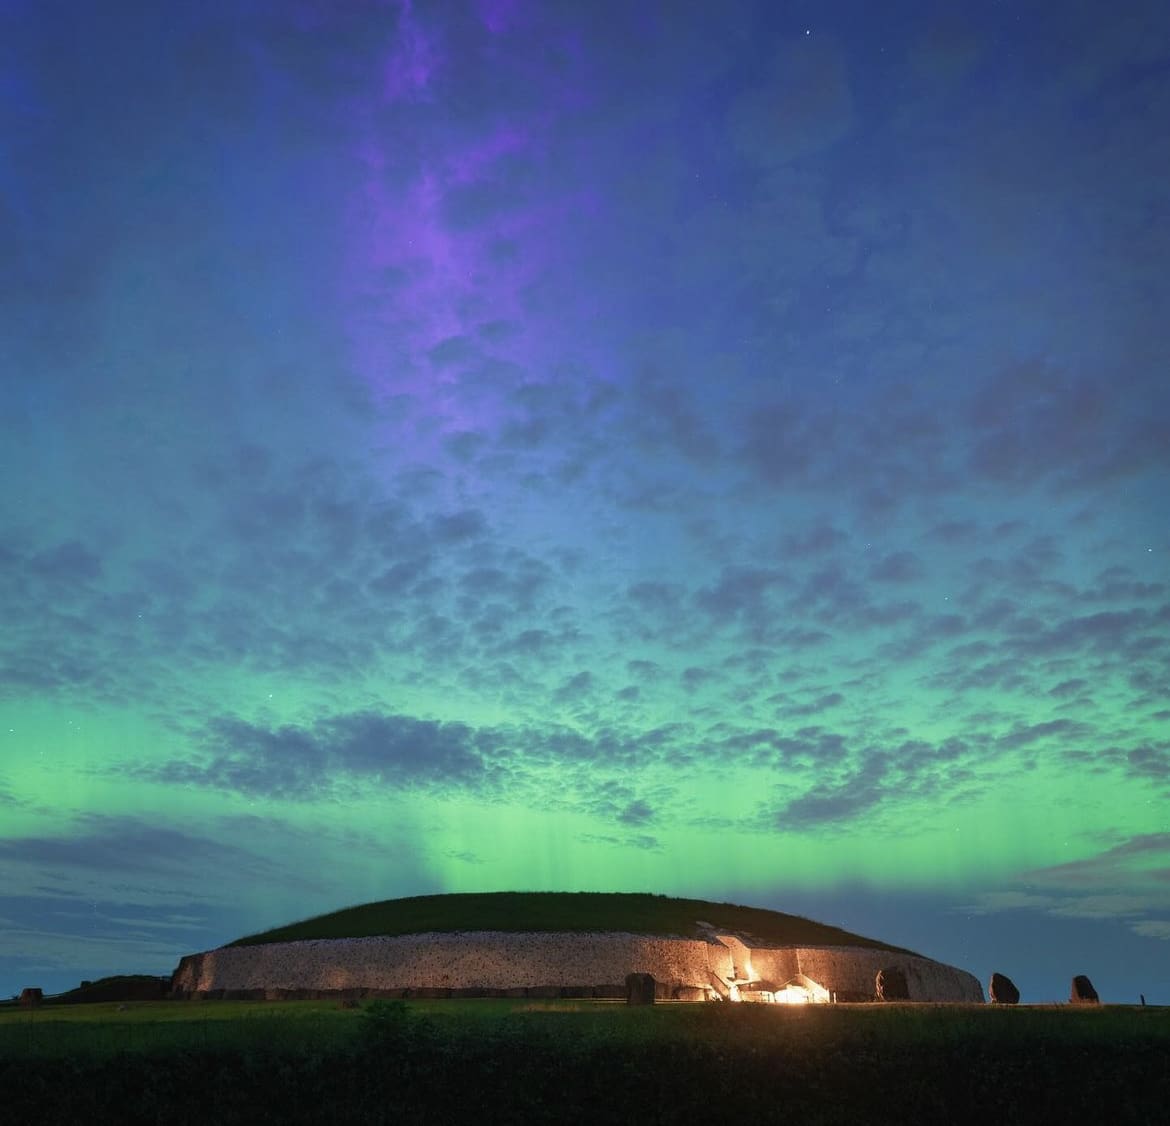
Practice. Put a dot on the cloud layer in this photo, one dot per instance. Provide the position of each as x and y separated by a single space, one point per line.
706 454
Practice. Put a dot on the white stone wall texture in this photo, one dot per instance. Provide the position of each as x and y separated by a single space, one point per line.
504 960
468 959
853 970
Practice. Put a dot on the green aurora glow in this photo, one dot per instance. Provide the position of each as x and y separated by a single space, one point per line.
726 463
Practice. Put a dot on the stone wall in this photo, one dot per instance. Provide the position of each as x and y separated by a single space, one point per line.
471 959
498 962
850 972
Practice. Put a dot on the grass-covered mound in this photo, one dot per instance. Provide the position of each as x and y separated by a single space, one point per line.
582 911
122 987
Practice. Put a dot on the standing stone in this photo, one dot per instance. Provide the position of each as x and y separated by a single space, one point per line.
1003 991
1083 992
31 997
639 989
891 985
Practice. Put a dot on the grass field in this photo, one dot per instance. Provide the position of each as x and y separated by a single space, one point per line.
489 1061
106 1029
562 911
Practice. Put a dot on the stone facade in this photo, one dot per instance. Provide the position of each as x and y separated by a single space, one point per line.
850 972
495 963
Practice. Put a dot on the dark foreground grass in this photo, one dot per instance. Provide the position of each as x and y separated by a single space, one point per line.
562 911
485 1062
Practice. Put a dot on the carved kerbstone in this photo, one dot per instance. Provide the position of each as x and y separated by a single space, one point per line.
639 989
1003 991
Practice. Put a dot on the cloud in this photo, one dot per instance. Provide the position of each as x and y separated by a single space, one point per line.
454 350
644 670
832 596
954 531
1105 630
1144 762
694 678
1129 907
1152 928
832 803
1120 584
662 418
1033 422
1106 906
636 813
459 527
992 902
740 593
1129 881
303 763
789 443
1150 762
73 955
395 754
576 687
820 539
856 783
1113 867
127 847
897 567
524 425
69 563
814 707
1075 686
1025 426
655 596
808 747
1137 865
831 778
517 584
642 841
1024 735
306 567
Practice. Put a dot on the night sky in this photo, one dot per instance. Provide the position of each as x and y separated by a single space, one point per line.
716 449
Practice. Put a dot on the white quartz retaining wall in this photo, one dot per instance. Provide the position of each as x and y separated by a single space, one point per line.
853 970
504 960
471 959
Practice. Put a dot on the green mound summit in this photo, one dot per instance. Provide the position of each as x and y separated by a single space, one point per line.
582 911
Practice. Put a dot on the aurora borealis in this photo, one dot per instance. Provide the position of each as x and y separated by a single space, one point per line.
710 449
